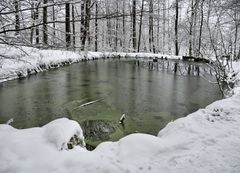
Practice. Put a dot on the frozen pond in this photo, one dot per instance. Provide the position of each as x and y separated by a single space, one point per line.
150 99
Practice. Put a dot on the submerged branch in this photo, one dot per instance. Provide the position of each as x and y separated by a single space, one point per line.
88 103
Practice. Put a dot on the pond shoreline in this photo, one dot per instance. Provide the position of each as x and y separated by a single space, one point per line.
26 61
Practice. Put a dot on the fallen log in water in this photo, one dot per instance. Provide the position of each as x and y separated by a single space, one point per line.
88 103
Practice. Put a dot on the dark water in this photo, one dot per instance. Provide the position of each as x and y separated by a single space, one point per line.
150 99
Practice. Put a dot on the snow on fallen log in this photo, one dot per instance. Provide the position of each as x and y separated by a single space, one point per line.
60 131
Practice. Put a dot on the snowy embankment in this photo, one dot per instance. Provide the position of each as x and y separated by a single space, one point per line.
23 61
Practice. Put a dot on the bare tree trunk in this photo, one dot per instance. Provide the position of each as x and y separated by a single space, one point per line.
191 29
37 28
96 27
194 44
123 27
236 34
169 35
149 27
116 29
158 26
134 25
45 21
73 28
54 24
83 29
67 25
17 18
87 20
176 29
109 27
140 26
222 39
238 55
151 38
200 31
33 22
235 43
164 26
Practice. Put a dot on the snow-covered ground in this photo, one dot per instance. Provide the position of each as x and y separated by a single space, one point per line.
22 61
206 141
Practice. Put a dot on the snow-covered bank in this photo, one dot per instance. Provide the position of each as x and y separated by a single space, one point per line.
23 61
206 141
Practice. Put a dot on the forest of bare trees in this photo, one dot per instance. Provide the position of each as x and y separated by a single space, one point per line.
201 28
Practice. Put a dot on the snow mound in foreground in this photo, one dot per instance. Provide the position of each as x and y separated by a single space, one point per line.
60 131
